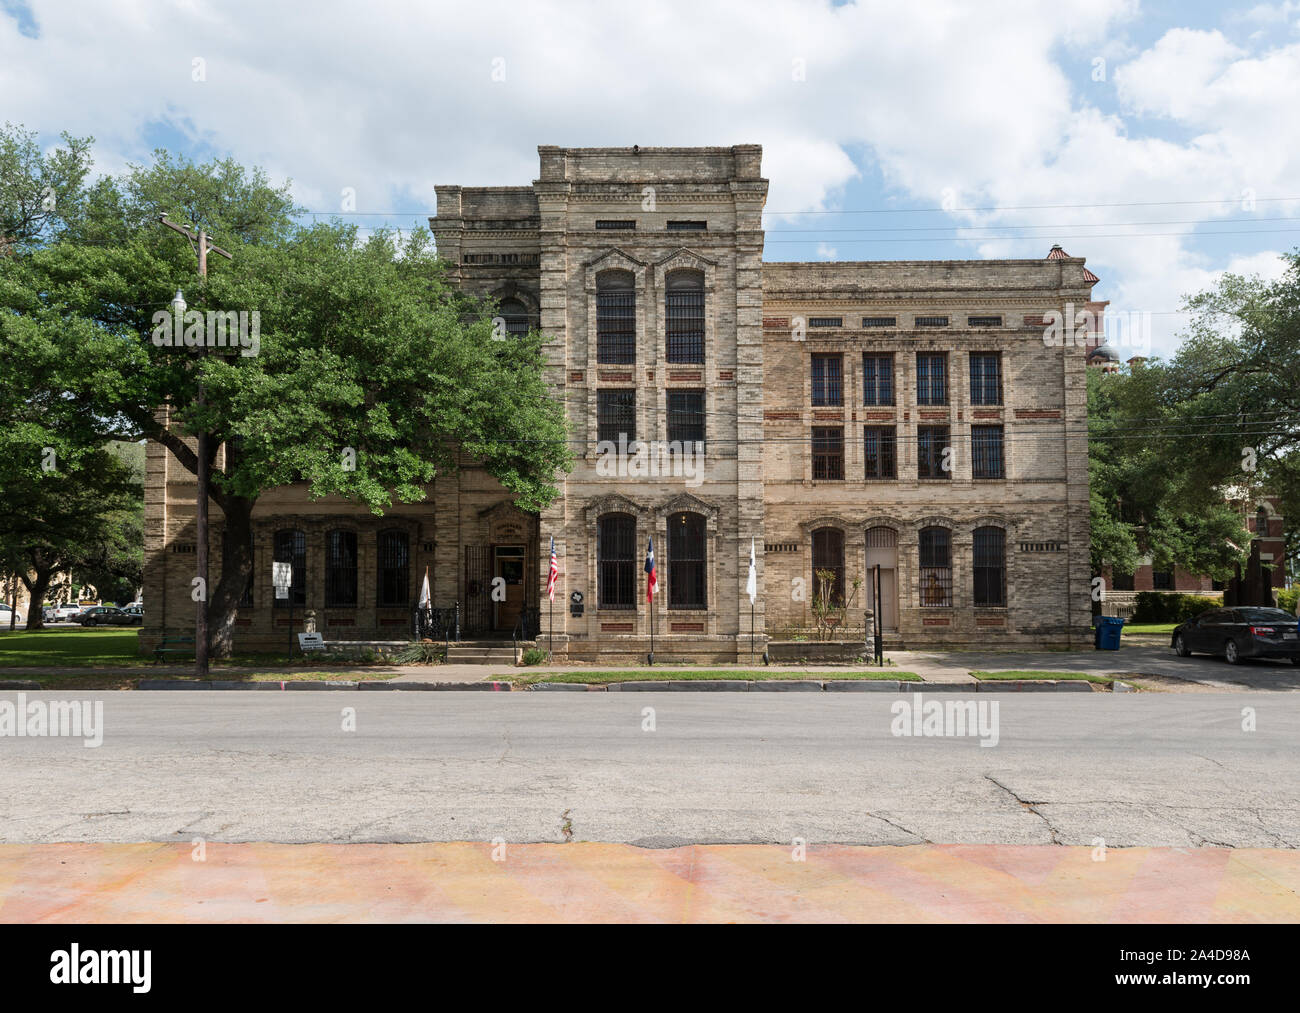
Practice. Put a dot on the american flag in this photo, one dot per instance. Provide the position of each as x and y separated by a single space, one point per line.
652 581
555 572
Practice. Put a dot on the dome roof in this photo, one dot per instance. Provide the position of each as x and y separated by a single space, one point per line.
1104 352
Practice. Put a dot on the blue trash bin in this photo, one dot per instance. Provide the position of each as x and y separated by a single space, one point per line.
1108 633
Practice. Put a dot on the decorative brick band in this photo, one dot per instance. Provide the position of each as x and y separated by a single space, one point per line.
686 627
878 416
932 415
828 416
777 416
775 323
1031 321
987 413
617 627
612 377
1038 413
685 376
340 621
990 621
726 374
575 376
937 621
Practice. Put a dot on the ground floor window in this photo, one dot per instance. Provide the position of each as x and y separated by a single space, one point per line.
291 547
616 561
936 568
394 568
990 567
341 568
687 561
828 566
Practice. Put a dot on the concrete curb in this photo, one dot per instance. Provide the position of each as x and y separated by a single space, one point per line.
866 685
19 684
1034 686
682 686
773 686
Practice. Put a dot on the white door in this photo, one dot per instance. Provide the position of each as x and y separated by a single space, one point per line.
882 551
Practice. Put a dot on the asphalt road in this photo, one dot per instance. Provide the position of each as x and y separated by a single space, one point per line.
1130 769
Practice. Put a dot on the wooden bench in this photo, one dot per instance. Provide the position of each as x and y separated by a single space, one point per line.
173 645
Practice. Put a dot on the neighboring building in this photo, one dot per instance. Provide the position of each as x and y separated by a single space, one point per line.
903 414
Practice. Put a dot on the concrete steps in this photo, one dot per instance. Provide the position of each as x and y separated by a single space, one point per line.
484 652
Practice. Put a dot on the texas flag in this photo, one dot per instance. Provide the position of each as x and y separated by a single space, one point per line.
652 581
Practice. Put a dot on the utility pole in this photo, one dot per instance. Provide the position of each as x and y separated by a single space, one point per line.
201 245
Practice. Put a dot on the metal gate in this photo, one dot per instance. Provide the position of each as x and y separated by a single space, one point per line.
477 616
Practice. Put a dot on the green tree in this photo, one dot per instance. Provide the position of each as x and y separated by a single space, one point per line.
372 376
39 193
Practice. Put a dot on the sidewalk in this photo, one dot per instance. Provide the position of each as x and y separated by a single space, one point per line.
584 882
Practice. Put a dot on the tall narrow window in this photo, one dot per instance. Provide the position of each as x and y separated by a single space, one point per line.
877 379
987 459
828 453
931 378
936 568
827 380
986 378
1261 523
291 547
515 315
341 568
615 415
616 561
394 568
684 316
686 418
990 565
932 457
616 317
687 552
828 565
879 452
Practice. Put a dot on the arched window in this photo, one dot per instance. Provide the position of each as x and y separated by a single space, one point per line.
684 313
616 561
515 314
936 568
394 568
989 562
828 565
687 561
616 317
341 568
291 548
1261 523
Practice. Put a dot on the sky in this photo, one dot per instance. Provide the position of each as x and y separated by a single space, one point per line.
1159 140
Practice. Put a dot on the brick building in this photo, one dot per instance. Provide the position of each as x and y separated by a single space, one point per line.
904 414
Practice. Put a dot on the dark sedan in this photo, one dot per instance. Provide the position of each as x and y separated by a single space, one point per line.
1242 632
103 615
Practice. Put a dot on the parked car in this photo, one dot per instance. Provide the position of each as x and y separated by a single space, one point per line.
1241 632
58 613
6 613
136 612
103 615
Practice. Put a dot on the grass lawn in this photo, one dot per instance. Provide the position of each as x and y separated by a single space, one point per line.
1166 628
92 648
641 675
1101 680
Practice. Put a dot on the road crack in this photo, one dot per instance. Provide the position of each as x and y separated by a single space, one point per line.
1031 806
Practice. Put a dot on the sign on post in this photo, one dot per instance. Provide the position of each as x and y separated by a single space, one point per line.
282 578
311 641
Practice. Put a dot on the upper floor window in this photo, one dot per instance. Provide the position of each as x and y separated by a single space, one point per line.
877 378
686 418
987 457
1261 523
615 223
986 378
615 317
931 378
825 321
880 321
691 226
930 322
827 380
879 454
515 315
394 568
684 316
616 561
933 459
828 453
615 415
341 568
687 556
983 321
291 547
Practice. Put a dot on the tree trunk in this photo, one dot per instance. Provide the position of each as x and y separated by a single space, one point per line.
236 568
37 589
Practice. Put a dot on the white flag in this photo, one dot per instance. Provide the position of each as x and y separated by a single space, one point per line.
425 597
751 583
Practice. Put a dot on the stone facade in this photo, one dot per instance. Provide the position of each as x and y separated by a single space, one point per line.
643 268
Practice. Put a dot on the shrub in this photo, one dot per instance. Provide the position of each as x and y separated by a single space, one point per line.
425 653
1287 598
1166 607
534 656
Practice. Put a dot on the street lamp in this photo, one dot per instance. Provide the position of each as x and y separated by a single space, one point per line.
178 305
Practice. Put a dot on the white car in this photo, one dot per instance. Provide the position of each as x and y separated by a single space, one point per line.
62 613
6 613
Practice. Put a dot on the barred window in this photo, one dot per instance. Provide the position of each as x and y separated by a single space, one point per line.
515 315
615 317
931 378
291 547
685 316
936 568
686 418
986 378
615 415
931 443
690 226
989 562
341 568
616 561
687 555
931 322
880 321
828 453
619 224
827 380
828 565
983 321
877 379
987 459
394 568
879 452
825 321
